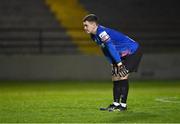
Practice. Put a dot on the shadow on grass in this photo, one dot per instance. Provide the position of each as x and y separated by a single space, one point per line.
132 116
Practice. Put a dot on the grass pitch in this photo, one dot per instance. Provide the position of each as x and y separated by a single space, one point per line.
149 101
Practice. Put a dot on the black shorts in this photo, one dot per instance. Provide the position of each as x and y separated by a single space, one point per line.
132 61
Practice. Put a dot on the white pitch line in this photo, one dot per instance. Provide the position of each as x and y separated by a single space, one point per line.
168 100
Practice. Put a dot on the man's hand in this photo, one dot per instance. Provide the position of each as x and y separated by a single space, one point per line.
114 70
119 64
122 71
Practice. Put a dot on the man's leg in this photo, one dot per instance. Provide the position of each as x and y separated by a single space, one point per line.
124 88
120 91
116 92
116 96
124 92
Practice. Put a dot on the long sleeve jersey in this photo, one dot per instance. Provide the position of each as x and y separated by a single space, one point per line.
114 44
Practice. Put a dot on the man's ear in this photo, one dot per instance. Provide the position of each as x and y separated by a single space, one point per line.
94 23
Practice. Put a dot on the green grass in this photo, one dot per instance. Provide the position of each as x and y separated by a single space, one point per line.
80 101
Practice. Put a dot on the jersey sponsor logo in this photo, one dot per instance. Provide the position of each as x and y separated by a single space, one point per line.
104 36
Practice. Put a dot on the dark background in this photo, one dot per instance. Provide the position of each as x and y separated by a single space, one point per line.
34 45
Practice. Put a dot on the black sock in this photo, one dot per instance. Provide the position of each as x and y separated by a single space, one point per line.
116 91
124 89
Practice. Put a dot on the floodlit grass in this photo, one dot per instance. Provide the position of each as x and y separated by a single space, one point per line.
149 101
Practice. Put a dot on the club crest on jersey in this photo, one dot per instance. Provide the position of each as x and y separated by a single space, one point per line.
104 36
102 45
95 40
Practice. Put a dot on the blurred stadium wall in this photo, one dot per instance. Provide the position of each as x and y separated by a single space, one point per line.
44 39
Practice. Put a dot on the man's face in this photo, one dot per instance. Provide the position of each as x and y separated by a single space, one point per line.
90 27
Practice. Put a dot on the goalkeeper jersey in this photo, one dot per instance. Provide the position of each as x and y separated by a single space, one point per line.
114 44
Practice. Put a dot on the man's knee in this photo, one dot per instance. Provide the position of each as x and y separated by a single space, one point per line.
124 78
117 78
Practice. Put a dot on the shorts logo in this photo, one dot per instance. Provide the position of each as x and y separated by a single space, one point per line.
104 36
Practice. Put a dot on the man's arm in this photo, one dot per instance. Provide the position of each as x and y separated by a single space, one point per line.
105 38
112 51
107 55
121 69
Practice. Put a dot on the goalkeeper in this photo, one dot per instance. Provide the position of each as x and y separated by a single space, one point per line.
123 53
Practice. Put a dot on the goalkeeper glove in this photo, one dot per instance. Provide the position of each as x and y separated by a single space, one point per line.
122 70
